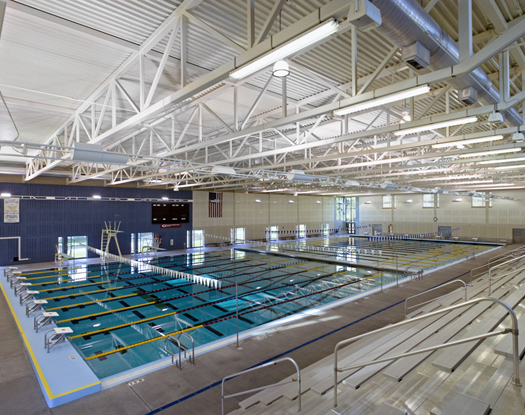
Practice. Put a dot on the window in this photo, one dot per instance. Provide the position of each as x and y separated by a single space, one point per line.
301 231
340 208
324 229
197 237
60 244
389 202
132 250
144 239
430 200
478 201
351 209
237 235
76 246
274 233
346 209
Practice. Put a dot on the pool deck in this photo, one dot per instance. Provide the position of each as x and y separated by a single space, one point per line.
196 389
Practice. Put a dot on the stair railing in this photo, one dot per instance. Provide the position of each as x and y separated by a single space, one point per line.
223 396
491 261
500 265
514 330
435 288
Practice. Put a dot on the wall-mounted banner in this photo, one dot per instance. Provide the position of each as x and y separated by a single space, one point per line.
11 210
170 225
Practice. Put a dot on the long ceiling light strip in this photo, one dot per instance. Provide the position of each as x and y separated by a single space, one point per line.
490 153
516 166
282 52
436 126
409 93
502 160
466 142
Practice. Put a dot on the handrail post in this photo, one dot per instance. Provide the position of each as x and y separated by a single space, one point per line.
335 375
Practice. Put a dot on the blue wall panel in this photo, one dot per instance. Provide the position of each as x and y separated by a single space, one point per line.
43 221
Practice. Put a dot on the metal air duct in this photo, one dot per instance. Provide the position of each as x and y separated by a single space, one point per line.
405 22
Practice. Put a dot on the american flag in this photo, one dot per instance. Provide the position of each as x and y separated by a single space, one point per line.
215 205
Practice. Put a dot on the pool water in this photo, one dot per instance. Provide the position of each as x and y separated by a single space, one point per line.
121 314
128 311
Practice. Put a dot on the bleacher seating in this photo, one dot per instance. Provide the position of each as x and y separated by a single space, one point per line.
473 377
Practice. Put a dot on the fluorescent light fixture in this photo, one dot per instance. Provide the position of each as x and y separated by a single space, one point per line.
470 141
489 153
502 160
318 202
97 197
388 185
94 153
165 198
257 201
457 200
5 194
291 201
352 183
368 202
436 126
299 176
131 199
516 166
408 201
223 170
387 99
299 43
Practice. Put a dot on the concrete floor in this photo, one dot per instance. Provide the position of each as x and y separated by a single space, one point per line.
196 389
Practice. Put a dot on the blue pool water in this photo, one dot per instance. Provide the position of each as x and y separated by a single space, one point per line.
122 314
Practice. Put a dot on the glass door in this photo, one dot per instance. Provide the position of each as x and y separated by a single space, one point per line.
76 246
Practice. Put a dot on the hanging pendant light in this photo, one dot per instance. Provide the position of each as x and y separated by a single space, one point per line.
406 115
281 69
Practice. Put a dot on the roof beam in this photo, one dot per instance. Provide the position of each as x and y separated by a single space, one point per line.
276 9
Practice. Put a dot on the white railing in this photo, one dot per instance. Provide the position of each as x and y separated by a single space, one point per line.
500 265
514 330
223 396
433 299
491 261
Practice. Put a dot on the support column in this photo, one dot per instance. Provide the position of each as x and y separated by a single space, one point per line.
465 29
250 24
284 97
354 60
183 51
504 78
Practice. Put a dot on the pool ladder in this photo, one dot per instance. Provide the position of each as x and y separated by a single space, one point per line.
181 348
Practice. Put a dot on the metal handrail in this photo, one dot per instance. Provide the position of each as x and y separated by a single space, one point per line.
435 288
510 272
180 346
514 331
509 254
192 357
500 265
264 387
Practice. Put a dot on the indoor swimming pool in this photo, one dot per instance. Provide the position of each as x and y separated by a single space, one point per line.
121 315
405 255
